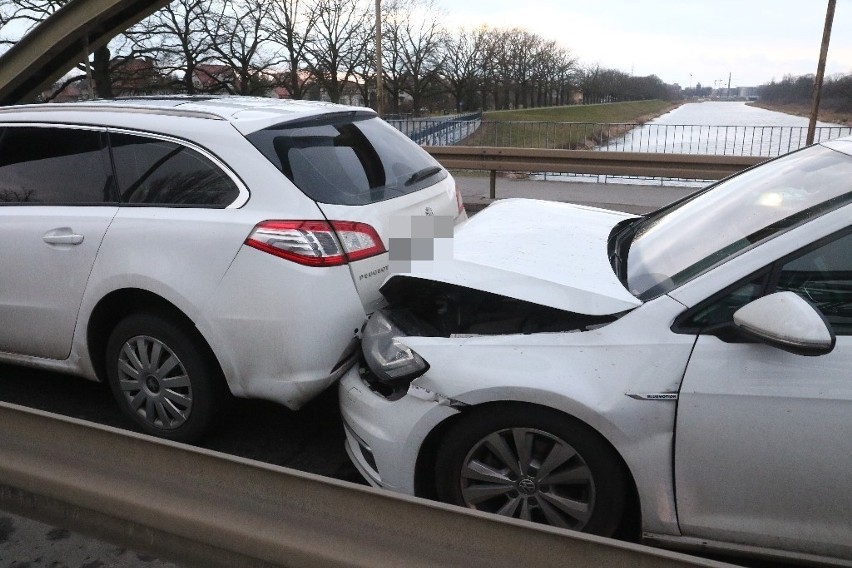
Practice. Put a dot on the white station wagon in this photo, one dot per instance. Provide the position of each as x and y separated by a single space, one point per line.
184 247
685 377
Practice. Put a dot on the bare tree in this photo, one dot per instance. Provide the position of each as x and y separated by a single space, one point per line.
338 42
461 70
365 72
291 23
19 17
239 33
177 38
421 37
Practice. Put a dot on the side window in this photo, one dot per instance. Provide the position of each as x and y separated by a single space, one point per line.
157 172
821 275
824 277
53 166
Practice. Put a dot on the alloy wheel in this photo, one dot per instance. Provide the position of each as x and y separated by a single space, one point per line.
529 474
154 382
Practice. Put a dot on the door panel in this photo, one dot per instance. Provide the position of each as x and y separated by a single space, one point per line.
42 283
56 201
764 437
764 447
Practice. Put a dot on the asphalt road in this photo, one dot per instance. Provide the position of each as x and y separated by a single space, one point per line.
308 440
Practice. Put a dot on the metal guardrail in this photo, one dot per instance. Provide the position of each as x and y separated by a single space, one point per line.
493 160
204 508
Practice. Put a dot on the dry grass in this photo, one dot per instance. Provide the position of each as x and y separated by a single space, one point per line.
825 115
567 127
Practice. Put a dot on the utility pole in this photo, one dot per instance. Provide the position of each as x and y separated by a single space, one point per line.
823 55
380 88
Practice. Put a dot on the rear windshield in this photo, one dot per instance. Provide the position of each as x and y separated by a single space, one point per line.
348 158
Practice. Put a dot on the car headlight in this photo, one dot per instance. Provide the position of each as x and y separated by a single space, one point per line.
388 358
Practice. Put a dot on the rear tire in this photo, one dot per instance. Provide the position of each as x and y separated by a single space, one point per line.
163 377
534 464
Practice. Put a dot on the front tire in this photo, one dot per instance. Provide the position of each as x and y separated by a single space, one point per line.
534 464
162 376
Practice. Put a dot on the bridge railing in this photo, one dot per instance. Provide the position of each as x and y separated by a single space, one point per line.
766 141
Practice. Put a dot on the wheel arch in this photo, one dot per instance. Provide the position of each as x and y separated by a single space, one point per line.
630 526
117 305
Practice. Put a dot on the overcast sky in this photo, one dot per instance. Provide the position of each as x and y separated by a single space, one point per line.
753 40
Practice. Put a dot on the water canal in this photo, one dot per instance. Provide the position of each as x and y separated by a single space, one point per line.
729 128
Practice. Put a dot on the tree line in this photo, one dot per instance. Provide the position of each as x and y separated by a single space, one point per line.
326 49
836 91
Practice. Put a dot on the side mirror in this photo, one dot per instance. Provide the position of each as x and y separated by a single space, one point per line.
786 321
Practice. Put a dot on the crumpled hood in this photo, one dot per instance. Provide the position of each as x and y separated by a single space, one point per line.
548 253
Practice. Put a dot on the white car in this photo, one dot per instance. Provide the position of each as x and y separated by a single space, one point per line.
685 377
184 247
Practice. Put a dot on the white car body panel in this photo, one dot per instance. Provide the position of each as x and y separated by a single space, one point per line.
251 324
40 313
507 249
723 477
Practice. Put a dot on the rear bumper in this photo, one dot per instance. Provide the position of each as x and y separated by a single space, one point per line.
280 329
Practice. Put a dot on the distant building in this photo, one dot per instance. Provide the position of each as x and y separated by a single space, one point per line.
207 77
750 93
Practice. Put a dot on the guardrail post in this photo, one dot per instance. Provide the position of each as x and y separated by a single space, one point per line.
492 191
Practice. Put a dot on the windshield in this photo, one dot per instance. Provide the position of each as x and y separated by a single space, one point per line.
348 158
680 242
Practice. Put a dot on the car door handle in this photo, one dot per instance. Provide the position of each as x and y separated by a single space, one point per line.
62 237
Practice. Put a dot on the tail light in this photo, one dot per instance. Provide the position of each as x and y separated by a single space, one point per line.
317 243
459 201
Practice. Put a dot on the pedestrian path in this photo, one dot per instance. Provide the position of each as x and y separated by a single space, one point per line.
637 199
25 543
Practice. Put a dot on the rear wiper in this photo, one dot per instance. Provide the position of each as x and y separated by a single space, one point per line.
423 174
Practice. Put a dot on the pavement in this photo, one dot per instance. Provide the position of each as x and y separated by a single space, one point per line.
628 197
26 543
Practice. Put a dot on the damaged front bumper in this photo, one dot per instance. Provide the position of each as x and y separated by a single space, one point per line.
384 436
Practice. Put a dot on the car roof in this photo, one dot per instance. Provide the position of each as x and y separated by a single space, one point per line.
246 113
843 144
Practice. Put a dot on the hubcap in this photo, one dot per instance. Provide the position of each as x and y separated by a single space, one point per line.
154 382
526 486
529 474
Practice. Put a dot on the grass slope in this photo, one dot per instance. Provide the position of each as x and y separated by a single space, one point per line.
611 112
804 109
570 127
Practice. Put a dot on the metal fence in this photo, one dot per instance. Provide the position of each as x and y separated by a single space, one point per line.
768 141
441 131
470 130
